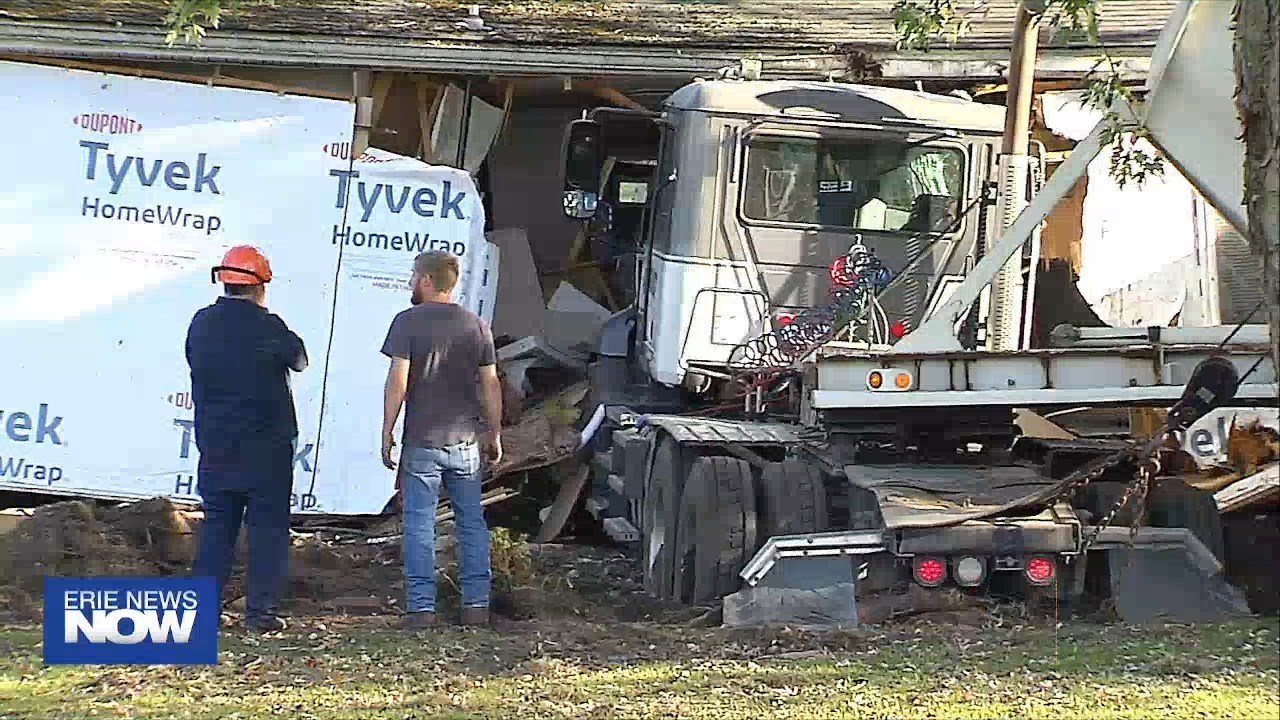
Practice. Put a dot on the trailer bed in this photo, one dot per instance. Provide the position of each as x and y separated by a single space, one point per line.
917 495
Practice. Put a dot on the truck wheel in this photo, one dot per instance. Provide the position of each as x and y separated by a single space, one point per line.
660 517
717 530
793 499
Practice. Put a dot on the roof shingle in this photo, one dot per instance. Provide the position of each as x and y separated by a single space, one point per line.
846 25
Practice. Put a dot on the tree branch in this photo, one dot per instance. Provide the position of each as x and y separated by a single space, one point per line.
918 23
187 19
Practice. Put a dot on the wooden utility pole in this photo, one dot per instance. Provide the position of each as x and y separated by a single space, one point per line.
1007 290
1257 56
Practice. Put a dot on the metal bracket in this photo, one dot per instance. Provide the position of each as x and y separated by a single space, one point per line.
813 545
746 454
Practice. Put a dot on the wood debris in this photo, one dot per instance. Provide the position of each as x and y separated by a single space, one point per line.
1250 475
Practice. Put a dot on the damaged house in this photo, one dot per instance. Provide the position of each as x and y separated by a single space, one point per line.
490 88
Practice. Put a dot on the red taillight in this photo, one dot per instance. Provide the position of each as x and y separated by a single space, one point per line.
785 320
1040 570
930 572
898 329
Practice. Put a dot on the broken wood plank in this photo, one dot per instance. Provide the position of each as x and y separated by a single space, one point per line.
535 442
428 108
489 498
1251 490
613 95
381 88
563 506
1210 483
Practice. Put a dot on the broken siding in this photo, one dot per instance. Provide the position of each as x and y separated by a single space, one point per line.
842 25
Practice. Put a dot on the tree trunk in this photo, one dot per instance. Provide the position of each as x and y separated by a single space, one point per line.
1257 55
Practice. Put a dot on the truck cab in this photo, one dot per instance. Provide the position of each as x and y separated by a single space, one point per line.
758 187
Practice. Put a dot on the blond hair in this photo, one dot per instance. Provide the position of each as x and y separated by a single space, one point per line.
440 266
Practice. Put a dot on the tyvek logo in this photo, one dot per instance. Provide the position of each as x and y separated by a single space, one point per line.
108 123
20 426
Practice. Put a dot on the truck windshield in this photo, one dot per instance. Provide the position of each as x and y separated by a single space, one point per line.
860 184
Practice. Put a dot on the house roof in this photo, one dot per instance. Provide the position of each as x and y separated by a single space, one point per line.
801 25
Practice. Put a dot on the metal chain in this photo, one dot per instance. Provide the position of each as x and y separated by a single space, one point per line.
1146 474
1146 455
1138 488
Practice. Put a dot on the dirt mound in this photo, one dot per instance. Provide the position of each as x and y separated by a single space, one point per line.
66 538
163 533
155 537
329 572
75 539
369 579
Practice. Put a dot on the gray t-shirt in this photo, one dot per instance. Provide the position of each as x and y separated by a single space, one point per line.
445 345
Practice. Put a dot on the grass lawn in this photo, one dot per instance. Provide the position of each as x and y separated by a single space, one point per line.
364 668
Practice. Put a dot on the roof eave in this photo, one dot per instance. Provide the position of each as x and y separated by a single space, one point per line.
137 44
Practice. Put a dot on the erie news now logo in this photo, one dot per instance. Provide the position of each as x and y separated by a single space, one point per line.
130 621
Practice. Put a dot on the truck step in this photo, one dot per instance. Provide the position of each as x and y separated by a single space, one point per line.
602 463
621 440
621 531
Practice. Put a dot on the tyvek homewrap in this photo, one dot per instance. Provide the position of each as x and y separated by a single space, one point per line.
122 193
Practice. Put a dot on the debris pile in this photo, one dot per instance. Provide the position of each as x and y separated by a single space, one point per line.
74 538
1245 482
543 350
1248 475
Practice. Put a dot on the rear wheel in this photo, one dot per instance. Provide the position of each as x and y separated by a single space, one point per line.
717 529
793 499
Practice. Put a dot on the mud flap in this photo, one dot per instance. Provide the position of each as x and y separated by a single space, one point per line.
1170 584
830 606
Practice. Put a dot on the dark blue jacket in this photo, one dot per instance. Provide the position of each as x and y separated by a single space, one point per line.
240 357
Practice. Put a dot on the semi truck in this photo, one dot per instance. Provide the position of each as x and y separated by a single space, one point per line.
815 395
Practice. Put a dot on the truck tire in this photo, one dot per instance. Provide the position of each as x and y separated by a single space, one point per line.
793 499
717 530
661 516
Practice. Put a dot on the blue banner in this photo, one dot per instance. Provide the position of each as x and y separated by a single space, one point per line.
130 621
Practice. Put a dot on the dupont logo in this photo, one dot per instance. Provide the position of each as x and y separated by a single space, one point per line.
181 400
108 123
342 151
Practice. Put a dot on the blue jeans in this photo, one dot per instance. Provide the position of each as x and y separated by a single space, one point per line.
259 498
457 467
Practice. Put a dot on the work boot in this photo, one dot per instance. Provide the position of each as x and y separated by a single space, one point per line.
415 621
475 616
266 623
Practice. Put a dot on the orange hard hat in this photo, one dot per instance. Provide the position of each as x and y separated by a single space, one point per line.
243 265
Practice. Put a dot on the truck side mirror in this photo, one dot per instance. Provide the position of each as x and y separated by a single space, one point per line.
582 164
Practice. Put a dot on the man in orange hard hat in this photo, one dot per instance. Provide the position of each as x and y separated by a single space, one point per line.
246 429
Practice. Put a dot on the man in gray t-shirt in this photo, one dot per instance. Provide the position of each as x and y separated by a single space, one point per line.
443 371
